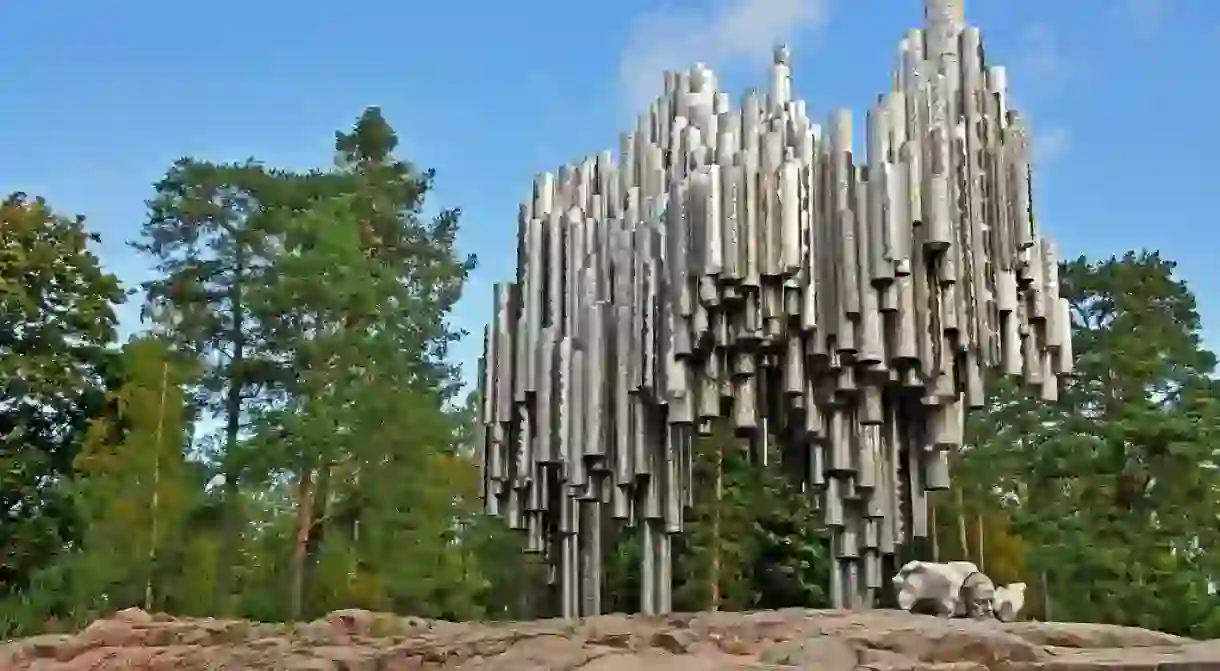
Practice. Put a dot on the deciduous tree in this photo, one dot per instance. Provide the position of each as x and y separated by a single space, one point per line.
56 322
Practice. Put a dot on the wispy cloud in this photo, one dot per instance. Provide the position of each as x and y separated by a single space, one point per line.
1040 68
727 32
1145 16
1040 53
1050 143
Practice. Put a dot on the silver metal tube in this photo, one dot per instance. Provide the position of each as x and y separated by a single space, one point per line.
742 266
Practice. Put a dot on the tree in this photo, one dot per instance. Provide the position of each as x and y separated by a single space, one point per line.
133 487
202 231
293 366
56 322
386 198
345 319
752 540
214 232
1115 488
389 196
1004 555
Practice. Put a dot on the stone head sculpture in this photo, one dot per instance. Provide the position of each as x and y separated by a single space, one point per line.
977 598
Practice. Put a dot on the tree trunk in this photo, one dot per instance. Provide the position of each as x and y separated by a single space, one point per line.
932 530
962 536
155 508
233 524
714 574
1046 599
300 549
319 521
978 523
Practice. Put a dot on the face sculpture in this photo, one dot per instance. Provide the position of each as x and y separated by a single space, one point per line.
979 594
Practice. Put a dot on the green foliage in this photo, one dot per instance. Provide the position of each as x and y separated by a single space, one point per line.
1114 489
56 321
757 544
771 548
307 316
131 490
317 303
285 439
792 564
133 486
207 233
387 200
507 576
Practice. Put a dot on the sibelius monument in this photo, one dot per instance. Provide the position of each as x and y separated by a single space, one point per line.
752 265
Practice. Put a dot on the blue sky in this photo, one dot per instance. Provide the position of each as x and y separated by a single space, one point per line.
102 96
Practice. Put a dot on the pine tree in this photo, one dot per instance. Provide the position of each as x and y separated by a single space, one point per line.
1114 489
206 233
342 316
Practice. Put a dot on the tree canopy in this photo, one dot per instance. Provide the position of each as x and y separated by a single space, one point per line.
287 435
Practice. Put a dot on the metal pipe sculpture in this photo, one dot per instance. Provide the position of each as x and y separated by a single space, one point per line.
745 264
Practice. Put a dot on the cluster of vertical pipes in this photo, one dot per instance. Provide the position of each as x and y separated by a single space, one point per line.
748 266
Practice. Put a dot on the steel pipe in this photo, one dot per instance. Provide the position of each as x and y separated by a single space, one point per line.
744 264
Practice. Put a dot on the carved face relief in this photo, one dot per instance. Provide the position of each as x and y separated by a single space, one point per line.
982 603
979 593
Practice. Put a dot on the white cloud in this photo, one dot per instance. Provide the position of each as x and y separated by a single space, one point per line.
1050 144
1040 69
729 31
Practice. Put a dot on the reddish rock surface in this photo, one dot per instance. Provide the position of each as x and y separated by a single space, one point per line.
790 639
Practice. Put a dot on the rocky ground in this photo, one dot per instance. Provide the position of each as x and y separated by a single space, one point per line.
789 639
